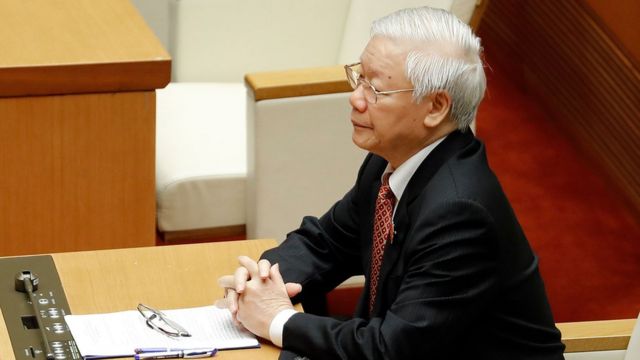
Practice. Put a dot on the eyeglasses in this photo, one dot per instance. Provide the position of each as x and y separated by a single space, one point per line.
354 75
158 321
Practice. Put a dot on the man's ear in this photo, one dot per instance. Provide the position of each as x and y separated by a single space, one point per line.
440 107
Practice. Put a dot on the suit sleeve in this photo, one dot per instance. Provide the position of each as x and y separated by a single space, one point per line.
449 276
323 252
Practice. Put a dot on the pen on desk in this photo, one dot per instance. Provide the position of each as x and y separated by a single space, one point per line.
159 349
185 354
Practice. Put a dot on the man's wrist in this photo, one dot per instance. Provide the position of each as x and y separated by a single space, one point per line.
277 326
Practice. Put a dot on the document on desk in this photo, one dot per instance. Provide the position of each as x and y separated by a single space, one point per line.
118 334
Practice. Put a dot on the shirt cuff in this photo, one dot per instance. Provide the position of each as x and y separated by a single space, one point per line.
277 326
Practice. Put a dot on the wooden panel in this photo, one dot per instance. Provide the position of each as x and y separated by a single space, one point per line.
72 46
592 87
478 13
299 82
596 335
77 172
501 34
84 78
582 76
622 20
223 233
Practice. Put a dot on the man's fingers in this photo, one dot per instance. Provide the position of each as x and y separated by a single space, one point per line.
275 274
226 281
277 277
240 278
222 303
264 266
293 289
232 301
250 265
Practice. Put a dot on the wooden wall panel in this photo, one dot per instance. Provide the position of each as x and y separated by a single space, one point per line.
567 57
77 172
621 17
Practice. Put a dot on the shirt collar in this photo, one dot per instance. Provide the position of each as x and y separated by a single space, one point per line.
400 177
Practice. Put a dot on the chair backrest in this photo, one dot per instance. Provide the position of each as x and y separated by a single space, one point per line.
222 40
361 15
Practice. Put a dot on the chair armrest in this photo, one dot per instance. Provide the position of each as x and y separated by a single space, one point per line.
298 82
596 335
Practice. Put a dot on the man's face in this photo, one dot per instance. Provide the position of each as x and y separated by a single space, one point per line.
392 127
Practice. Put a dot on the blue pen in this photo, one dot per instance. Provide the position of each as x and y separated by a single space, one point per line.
185 354
158 349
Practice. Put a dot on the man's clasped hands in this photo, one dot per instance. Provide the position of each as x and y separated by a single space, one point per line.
255 294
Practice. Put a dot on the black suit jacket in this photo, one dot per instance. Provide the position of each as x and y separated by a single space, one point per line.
459 281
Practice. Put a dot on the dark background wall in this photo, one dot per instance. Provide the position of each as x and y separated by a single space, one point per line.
561 125
622 18
580 59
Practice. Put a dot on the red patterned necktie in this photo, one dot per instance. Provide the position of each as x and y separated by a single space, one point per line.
382 231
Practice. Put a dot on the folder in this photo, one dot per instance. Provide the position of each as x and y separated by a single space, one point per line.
100 336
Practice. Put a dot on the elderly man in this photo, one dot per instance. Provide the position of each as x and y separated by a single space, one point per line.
449 272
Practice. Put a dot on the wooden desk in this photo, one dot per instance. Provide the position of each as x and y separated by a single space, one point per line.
185 275
167 277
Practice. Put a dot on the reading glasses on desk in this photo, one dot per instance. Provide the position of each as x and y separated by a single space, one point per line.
158 321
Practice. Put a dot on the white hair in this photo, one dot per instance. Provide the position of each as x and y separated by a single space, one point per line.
447 57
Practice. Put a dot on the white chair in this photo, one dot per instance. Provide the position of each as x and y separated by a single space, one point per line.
202 125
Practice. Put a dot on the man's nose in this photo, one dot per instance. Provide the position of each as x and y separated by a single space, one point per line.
357 99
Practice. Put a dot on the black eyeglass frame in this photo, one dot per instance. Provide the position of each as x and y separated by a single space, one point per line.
152 316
